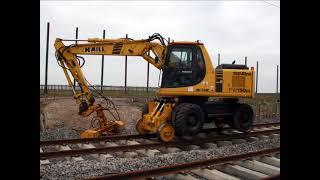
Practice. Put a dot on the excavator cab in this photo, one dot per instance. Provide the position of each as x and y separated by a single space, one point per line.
184 66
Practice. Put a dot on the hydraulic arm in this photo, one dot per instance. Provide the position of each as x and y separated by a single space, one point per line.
69 60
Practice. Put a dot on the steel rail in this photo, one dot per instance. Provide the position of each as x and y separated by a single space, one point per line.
45 155
127 137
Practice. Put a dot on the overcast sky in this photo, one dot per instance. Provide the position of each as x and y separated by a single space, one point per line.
234 29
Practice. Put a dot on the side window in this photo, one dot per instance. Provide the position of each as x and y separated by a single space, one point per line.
201 69
181 58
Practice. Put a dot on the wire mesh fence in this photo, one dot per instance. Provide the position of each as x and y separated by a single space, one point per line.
98 87
265 105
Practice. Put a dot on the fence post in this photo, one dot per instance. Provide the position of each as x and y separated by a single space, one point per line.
148 74
46 70
245 60
257 73
102 65
125 77
277 91
74 80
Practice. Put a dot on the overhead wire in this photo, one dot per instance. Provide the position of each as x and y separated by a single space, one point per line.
270 3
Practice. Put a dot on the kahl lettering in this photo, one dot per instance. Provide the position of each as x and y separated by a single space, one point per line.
94 49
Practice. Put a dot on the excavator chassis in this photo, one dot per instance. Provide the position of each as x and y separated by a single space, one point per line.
168 117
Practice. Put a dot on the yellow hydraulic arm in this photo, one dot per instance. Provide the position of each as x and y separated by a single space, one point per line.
69 60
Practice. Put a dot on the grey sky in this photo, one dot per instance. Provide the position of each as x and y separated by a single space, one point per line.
234 29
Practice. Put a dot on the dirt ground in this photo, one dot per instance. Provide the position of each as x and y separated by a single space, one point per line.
63 112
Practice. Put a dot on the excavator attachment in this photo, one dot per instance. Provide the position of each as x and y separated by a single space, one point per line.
156 120
109 129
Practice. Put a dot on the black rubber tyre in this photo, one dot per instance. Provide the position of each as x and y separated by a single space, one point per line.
187 119
242 118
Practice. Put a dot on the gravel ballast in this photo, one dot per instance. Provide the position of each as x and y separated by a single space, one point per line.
89 168
59 133
68 133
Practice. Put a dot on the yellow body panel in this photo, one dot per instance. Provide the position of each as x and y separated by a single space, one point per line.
235 83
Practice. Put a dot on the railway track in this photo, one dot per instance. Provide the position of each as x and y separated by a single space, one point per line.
252 165
204 168
136 136
180 143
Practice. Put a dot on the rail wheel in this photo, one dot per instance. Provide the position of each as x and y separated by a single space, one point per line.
166 132
139 127
243 118
188 119
219 125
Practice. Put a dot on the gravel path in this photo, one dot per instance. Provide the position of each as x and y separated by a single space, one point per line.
87 168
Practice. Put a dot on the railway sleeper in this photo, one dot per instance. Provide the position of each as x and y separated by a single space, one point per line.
240 172
213 174
259 166
44 161
68 158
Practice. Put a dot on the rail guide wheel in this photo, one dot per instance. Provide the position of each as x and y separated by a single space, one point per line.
139 127
166 132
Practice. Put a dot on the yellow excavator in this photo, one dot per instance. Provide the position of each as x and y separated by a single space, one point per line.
188 80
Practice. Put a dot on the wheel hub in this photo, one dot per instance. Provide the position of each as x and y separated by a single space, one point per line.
192 120
166 133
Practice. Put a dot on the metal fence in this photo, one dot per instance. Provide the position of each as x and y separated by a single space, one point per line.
271 111
98 87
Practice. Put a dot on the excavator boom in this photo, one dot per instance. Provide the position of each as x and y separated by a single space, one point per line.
69 59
